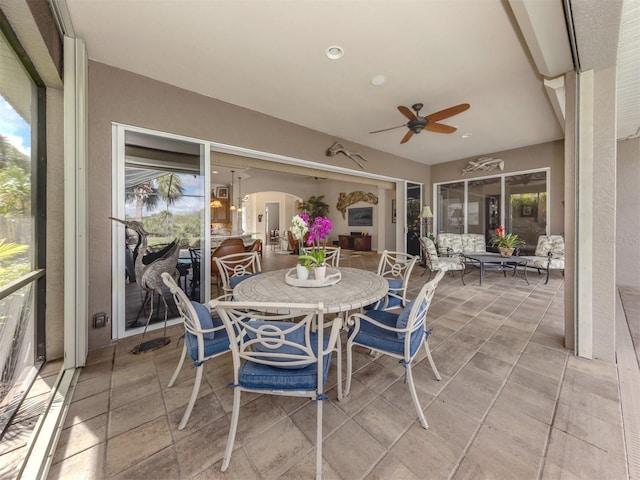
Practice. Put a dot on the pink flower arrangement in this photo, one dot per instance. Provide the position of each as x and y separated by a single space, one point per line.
319 231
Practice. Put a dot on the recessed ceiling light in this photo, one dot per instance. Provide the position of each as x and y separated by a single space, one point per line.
467 135
214 172
378 80
335 52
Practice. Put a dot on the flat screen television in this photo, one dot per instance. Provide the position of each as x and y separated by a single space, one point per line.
360 217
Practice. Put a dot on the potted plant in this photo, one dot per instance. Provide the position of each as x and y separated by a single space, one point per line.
506 242
318 232
314 207
299 228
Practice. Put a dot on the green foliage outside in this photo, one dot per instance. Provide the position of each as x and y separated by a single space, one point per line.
166 188
164 228
15 212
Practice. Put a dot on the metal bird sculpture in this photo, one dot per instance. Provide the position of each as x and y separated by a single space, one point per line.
149 267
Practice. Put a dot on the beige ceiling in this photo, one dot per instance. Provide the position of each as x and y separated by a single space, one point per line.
269 56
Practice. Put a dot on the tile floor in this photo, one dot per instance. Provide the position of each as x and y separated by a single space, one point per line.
512 404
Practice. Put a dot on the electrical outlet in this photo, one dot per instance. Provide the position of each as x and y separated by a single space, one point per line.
100 320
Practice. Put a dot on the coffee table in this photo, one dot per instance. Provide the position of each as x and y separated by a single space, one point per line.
494 261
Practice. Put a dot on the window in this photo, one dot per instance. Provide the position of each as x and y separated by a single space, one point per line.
21 349
450 208
477 206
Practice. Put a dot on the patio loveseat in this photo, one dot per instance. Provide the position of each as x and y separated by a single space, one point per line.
457 243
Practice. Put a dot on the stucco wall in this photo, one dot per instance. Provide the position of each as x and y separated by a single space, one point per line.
628 213
603 216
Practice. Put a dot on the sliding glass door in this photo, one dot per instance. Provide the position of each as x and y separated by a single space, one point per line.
450 208
516 201
526 206
414 202
162 187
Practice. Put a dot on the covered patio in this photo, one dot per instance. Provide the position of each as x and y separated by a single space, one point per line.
512 403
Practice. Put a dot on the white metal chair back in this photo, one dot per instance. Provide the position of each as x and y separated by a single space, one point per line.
279 354
236 265
396 267
331 255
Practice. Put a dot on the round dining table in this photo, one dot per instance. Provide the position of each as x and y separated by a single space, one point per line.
356 289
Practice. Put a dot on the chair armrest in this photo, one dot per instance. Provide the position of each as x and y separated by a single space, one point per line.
335 333
355 318
209 330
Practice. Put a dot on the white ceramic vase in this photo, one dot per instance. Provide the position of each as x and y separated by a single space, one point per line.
320 272
302 272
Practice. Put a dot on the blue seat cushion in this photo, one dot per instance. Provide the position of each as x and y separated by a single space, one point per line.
378 338
394 285
211 346
206 321
236 279
265 377
403 318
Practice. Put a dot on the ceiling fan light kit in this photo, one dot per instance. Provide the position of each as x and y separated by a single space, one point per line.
430 123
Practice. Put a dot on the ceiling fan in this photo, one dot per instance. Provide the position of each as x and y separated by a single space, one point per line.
417 123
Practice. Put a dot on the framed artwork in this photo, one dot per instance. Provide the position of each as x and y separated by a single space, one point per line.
361 217
222 192
393 211
527 211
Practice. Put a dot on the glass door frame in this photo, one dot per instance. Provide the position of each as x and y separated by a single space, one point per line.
502 177
118 157
119 131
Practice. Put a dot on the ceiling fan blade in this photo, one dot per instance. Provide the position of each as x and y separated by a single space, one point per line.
440 128
387 129
447 112
406 138
407 113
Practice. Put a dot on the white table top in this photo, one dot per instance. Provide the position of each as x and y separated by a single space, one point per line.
356 289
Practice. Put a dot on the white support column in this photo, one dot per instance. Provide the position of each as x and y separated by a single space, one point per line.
595 256
75 203
584 224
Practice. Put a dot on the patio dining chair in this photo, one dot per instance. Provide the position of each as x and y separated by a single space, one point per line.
396 267
397 335
205 337
435 263
227 247
274 355
237 267
331 255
